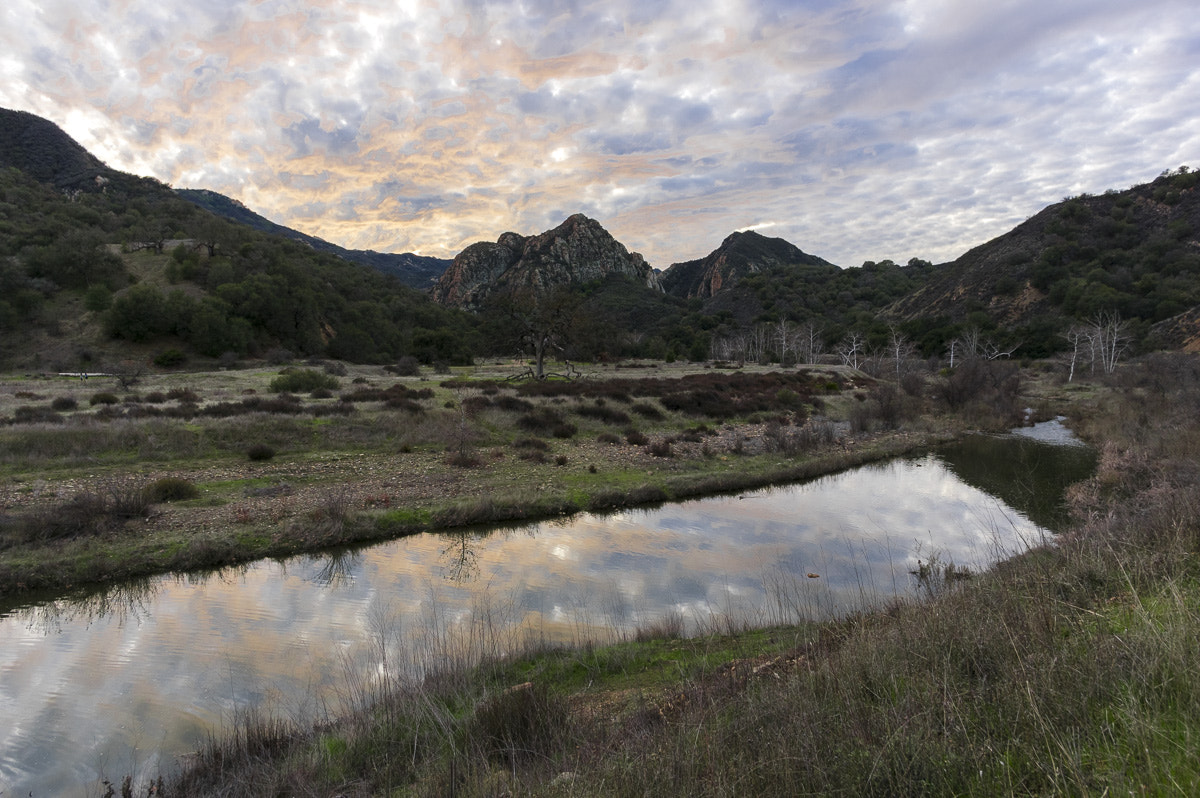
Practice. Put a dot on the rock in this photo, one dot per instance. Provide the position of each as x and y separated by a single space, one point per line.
740 254
579 250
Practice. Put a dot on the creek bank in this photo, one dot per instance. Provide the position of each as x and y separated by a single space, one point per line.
325 506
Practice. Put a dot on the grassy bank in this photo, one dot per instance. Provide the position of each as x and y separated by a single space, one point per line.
1067 670
104 482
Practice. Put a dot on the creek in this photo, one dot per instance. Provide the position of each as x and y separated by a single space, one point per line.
130 678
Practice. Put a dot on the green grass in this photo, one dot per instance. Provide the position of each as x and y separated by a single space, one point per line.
1068 670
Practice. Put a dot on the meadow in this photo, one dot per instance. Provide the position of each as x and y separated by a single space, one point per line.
113 477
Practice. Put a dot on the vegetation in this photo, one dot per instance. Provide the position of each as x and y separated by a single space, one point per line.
604 441
222 289
1067 670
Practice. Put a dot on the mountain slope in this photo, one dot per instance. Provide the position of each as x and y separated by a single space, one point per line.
124 269
45 152
738 255
417 271
1136 252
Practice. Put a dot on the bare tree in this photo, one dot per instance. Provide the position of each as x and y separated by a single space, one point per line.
811 344
900 348
1110 338
1078 337
852 349
785 339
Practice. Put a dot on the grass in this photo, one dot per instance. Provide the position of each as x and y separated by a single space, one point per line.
1069 669
385 444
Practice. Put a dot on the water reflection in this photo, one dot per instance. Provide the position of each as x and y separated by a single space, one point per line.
127 679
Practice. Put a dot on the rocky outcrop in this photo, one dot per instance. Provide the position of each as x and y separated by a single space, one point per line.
740 254
579 250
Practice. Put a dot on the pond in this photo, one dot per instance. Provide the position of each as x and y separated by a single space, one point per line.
129 679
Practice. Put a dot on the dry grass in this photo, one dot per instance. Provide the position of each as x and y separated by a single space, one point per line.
1069 670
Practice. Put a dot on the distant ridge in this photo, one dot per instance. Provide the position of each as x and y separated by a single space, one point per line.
417 271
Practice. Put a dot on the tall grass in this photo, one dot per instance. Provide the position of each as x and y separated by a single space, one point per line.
1069 669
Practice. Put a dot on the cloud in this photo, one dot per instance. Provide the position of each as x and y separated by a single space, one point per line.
859 129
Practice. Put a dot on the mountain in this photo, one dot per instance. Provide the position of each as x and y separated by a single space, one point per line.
418 271
46 153
740 254
99 267
578 251
1135 251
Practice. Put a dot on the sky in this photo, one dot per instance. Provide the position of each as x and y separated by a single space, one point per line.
855 129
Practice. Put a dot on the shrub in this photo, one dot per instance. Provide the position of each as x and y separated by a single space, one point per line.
636 437
406 366
607 437
608 415
303 381
260 452
648 411
64 403
278 357
183 395
34 415
170 489
170 358
103 398
564 430
661 448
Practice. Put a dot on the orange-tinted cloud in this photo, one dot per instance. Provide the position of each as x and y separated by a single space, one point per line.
857 130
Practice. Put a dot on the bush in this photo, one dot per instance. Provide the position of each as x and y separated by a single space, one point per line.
407 366
170 489
636 437
661 448
64 403
170 358
103 398
260 452
34 415
278 357
303 381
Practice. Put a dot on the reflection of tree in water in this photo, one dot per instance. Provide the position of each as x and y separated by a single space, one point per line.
459 559
338 569
127 601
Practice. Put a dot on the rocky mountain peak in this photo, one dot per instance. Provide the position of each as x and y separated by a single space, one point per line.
579 250
741 253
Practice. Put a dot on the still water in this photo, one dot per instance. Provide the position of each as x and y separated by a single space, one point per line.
130 679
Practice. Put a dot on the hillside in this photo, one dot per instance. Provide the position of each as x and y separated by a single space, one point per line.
418 271
1136 252
93 272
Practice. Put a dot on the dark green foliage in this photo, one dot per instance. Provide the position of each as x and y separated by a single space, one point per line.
263 290
103 398
64 403
260 452
170 358
303 381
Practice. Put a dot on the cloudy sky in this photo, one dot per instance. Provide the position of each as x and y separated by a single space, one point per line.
856 129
